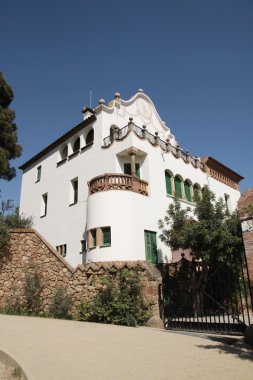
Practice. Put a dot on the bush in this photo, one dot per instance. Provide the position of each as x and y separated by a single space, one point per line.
119 301
61 304
14 305
32 290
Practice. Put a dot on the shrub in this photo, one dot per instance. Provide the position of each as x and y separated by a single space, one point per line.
119 301
32 290
10 218
13 304
61 304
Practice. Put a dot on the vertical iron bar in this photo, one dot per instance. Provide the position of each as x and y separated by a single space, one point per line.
248 280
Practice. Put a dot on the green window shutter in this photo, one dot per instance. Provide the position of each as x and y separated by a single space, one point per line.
106 236
127 169
187 189
168 182
150 246
178 187
137 169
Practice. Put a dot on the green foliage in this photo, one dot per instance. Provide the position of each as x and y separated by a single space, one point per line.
210 231
10 218
249 209
14 305
61 304
32 290
119 301
9 148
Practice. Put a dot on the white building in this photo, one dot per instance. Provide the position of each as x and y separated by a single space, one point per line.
97 192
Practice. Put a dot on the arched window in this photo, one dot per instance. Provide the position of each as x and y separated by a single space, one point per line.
187 190
90 137
64 152
196 191
168 182
76 145
178 187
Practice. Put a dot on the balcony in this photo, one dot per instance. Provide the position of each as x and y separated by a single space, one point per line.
116 181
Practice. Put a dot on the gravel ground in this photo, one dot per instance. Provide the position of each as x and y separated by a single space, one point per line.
49 349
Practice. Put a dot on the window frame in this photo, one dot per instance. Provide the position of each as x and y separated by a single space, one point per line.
44 205
168 182
38 174
77 141
105 244
89 134
62 249
179 192
93 238
74 191
187 190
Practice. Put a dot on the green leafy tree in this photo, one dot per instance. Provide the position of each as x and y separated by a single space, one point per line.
210 231
249 209
9 147
10 218
61 304
120 301
213 235
32 290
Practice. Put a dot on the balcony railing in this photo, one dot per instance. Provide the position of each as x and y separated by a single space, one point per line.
116 181
154 140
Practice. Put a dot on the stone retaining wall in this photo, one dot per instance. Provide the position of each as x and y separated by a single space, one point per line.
28 250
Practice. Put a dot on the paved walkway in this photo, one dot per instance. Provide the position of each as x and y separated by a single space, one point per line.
50 349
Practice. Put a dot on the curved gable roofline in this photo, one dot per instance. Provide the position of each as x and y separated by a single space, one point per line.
139 95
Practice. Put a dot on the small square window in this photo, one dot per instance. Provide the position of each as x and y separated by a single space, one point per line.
106 236
83 246
62 249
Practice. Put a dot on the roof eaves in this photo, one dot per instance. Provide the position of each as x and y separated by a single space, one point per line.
206 159
59 141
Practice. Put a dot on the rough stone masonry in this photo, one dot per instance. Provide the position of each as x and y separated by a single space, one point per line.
28 249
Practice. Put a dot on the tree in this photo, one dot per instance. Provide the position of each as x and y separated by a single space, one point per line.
210 231
10 218
9 148
249 209
119 300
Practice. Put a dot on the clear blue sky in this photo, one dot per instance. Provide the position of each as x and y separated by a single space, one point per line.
194 58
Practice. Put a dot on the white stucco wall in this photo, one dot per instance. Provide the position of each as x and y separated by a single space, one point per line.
127 213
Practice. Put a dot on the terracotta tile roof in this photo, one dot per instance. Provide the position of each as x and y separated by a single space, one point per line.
215 164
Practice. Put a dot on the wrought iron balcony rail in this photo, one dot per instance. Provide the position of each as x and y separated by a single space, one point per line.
117 181
142 133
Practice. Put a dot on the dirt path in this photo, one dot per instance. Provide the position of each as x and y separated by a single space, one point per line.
68 350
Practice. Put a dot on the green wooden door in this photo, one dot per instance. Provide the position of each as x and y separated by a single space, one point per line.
150 246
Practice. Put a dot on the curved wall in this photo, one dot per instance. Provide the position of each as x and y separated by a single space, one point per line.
127 215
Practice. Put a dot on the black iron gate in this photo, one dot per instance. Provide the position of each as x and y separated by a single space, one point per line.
207 297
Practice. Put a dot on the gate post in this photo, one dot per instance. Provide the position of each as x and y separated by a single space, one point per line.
247 230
